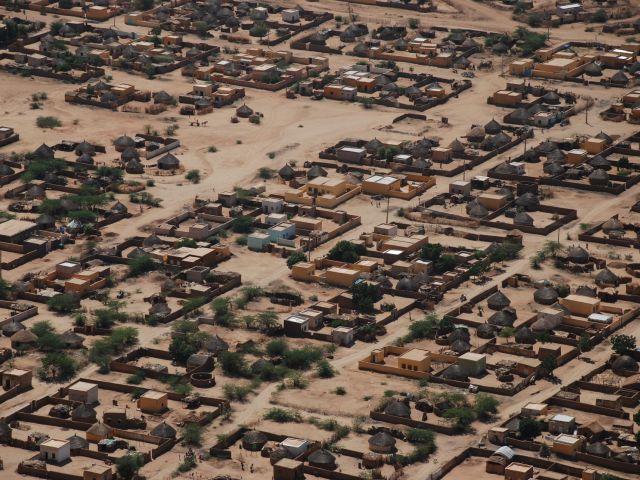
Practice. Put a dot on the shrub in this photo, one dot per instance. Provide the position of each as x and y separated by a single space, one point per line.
421 435
301 359
48 122
535 20
413 23
266 173
277 347
340 391
325 370
485 406
599 16
193 176
136 378
281 415
462 417
236 392
233 363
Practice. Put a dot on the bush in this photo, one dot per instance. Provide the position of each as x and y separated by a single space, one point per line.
340 391
64 303
535 19
236 392
301 359
48 122
325 370
485 406
141 265
277 348
266 173
136 378
413 23
281 415
193 176
421 435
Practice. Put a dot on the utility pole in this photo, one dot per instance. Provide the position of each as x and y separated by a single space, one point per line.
388 197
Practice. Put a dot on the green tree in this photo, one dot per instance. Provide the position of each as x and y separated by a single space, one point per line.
325 370
431 251
364 295
462 417
141 265
345 251
57 367
128 465
599 16
295 257
233 363
507 333
192 434
243 224
529 428
64 303
623 344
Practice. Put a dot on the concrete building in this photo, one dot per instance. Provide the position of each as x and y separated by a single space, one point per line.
581 305
153 402
416 360
351 154
518 471
84 392
258 242
534 409
562 424
295 326
16 378
343 336
474 364
460 187
98 472
567 445
341 277
55 451
16 231
282 231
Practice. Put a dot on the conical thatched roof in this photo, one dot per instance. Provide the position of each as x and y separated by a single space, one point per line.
599 162
545 296
44 151
72 339
85 148
45 221
476 134
611 225
151 240
476 210
499 48
287 172
547 147
316 171
163 430
620 78
593 70
545 324
77 442
99 429
531 156
35 192
134 166
11 328
525 335
322 458
24 336
551 98
118 208
598 449
216 345
503 318
254 440
162 97
553 169
129 153
6 170
528 201
605 137
460 346
84 413
556 156
399 409
523 218
456 146
607 277
506 169
244 111
492 127
486 331
577 255
168 162
498 301
382 439
599 177
373 145
586 291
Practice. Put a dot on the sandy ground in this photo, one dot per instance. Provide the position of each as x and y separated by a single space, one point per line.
298 130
